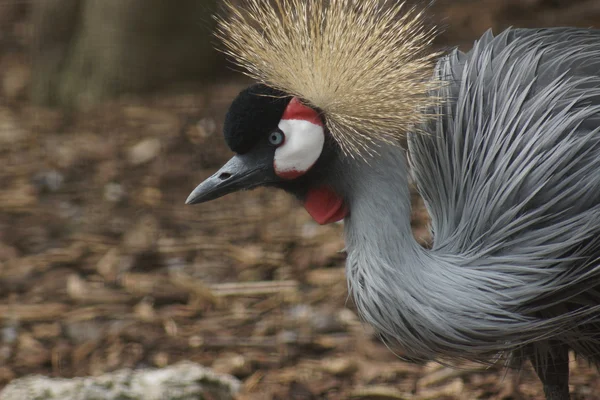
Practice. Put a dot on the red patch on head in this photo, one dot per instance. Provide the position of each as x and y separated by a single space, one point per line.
297 110
325 206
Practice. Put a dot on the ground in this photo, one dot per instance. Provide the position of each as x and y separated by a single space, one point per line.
103 267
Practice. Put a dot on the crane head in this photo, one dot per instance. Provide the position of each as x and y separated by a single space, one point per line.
279 142
339 79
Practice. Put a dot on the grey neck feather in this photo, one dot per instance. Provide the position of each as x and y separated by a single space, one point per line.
379 197
385 263
427 302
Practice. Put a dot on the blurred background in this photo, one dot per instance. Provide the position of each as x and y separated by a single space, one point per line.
110 114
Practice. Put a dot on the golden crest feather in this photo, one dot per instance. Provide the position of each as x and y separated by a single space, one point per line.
365 64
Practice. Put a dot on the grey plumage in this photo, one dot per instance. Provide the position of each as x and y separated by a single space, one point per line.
510 172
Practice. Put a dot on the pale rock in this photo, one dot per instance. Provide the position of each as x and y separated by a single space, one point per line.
183 381
144 151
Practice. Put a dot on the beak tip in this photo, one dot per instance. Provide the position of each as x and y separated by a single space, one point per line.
190 200
237 174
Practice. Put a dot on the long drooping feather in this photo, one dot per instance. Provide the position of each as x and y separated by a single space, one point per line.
510 173
365 64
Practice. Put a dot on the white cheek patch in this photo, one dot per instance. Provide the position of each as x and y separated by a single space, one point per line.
302 147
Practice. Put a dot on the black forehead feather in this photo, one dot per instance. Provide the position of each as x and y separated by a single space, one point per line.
254 113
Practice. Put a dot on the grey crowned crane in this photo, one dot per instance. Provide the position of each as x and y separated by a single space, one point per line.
503 146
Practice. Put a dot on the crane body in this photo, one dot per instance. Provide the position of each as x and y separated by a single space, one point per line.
507 161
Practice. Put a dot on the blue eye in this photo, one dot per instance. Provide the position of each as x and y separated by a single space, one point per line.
276 138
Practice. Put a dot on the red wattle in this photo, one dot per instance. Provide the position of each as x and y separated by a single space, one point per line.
289 175
325 206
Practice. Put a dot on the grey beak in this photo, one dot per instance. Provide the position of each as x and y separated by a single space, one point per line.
242 172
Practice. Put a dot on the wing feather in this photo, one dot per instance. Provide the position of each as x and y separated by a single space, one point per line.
510 170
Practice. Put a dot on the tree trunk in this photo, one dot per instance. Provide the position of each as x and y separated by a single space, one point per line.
85 51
